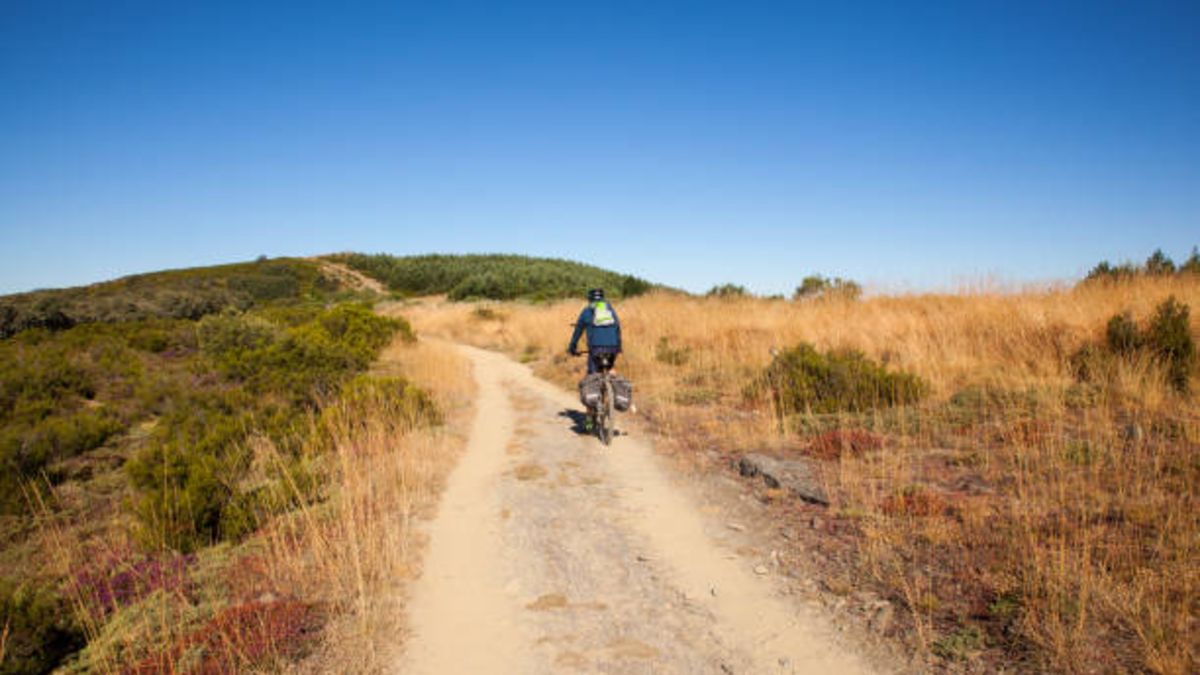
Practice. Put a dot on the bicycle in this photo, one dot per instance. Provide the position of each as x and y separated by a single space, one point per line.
603 413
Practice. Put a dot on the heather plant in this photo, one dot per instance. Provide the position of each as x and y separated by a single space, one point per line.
250 636
107 584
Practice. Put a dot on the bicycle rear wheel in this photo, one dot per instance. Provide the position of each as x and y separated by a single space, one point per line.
604 425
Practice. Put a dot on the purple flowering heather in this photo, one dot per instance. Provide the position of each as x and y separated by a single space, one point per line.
114 583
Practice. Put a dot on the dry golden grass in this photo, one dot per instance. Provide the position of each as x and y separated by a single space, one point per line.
1048 524
357 551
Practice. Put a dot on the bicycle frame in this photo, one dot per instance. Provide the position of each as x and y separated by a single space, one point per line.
604 412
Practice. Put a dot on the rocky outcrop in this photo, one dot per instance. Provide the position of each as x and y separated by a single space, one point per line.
793 475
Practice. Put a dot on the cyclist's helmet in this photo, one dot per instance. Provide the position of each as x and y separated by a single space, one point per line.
595 294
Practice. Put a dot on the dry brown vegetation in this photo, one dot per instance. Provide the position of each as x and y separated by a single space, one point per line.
1019 517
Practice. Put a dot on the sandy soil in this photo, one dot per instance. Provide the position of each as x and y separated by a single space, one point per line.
551 553
351 278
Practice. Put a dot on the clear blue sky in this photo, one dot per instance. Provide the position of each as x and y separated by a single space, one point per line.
689 143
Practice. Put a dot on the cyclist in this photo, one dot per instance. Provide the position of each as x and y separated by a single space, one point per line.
603 328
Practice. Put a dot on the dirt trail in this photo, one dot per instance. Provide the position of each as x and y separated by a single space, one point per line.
351 278
553 554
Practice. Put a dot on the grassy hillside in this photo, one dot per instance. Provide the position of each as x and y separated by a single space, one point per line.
150 429
174 294
1015 474
495 277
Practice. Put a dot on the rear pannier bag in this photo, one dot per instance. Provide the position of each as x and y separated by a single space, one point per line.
591 388
622 394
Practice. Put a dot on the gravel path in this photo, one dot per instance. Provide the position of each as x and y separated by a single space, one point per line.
552 554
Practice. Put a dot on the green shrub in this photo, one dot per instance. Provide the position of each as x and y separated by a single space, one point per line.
236 342
38 629
818 287
64 436
960 644
399 403
492 277
306 360
1121 335
803 379
48 383
664 352
727 291
1091 363
1158 264
276 365
1106 271
1192 264
210 385
632 286
1169 337
184 475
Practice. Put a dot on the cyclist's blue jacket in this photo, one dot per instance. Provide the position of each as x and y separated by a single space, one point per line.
605 337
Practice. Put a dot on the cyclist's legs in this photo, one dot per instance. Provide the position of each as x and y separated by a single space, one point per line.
594 360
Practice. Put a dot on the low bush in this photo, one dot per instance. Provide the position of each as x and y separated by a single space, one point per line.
665 352
246 637
394 399
1166 339
38 629
817 287
916 501
1169 337
1121 334
185 477
836 443
802 379
25 450
106 585
727 291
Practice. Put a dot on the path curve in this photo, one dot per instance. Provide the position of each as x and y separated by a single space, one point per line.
553 554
